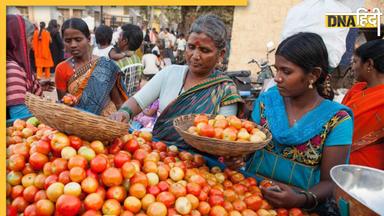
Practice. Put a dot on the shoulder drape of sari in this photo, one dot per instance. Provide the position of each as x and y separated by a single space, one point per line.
206 97
93 84
368 108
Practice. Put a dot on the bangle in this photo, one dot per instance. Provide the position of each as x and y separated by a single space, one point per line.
306 197
126 109
307 194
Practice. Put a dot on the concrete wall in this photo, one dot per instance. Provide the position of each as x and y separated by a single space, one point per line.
257 24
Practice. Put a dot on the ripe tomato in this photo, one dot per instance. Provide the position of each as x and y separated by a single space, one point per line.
218 211
64 177
216 200
20 204
253 202
132 204
157 209
77 174
93 201
59 141
38 160
43 147
121 157
98 164
68 205
128 170
112 177
45 207
282 212
17 191
132 145
29 193
59 165
111 207
75 141
117 192
178 190
16 162
89 185
295 212
204 208
167 198
77 161
30 210
138 190
207 131
200 118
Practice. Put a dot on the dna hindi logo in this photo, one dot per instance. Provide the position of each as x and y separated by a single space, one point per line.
363 18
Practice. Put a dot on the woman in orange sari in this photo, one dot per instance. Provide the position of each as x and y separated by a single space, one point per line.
366 99
43 56
90 79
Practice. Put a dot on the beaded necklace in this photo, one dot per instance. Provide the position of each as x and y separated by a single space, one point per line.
76 73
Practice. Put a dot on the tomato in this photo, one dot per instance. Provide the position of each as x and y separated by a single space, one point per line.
111 207
59 165
140 155
93 201
50 180
93 213
249 212
68 205
77 174
128 170
28 169
295 212
112 177
265 183
16 162
11 210
77 161
138 190
54 191
253 202
64 177
282 212
157 209
59 141
167 198
38 160
139 177
89 185
75 141
72 188
204 208
47 168
17 191
178 190
43 147
216 200
29 193
200 118
121 157
21 149
28 179
30 210
116 192
160 146
230 195
239 205
163 186
147 200
98 164
40 195
132 145
207 131
45 207
154 190
132 204
20 204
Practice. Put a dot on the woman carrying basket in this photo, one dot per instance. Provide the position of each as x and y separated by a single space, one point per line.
194 88
90 80
311 134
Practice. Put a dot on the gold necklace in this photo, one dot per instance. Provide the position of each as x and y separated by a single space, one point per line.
296 117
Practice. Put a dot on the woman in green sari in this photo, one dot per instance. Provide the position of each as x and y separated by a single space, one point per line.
193 88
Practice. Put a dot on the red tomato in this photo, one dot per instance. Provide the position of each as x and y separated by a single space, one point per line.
93 201
121 157
68 205
216 200
253 202
98 164
38 160
207 131
132 145
167 198
30 210
59 141
16 162
78 161
200 118
43 147
112 177
45 207
282 212
75 142
295 212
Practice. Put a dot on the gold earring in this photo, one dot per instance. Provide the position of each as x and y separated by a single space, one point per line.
369 70
310 84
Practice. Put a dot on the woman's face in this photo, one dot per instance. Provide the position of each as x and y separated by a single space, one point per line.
359 68
290 78
201 53
75 42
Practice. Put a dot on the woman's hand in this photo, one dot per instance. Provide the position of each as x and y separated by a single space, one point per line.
69 100
47 85
120 116
278 194
234 162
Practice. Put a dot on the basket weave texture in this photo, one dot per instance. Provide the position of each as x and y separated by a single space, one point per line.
72 121
216 146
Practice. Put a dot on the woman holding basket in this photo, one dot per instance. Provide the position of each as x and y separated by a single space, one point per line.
311 134
89 80
194 88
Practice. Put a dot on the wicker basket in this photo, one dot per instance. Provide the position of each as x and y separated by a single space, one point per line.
216 146
75 122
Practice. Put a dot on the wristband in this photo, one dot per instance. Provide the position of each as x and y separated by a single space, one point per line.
126 109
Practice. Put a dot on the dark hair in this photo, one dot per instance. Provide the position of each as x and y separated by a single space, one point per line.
42 26
308 51
134 35
52 26
78 24
103 35
372 50
212 26
371 33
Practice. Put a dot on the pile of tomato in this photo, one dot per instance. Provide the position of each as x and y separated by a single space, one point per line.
52 173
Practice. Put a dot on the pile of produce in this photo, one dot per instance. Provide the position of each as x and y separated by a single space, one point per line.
52 173
229 128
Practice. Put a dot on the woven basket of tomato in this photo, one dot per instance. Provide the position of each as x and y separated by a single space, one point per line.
73 121
220 135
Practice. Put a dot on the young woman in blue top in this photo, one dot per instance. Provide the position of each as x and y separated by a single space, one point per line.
311 134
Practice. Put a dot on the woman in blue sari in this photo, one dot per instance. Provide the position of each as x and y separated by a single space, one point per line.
311 133
90 79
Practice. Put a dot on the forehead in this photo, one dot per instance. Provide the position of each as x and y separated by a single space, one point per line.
200 39
72 33
281 61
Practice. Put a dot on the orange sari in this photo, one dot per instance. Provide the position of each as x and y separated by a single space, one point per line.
367 105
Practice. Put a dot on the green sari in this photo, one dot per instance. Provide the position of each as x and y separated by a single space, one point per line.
207 97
